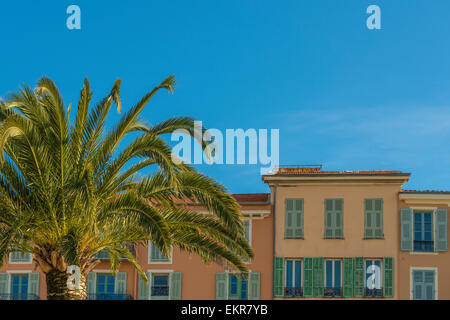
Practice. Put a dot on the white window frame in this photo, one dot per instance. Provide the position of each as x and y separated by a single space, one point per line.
233 272
161 271
102 271
30 261
150 244
411 282
17 272
431 210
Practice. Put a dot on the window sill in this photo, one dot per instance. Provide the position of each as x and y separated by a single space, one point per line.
294 238
373 238
419 253
329 238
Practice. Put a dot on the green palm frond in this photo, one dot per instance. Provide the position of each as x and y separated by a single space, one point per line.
68 192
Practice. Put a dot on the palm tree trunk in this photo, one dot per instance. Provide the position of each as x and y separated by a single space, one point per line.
57 288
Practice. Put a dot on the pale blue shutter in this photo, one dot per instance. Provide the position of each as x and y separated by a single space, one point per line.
143 288
90 283
254 286
221 285
429 286
4 283
33 284
406 229
441 230
418 285
175 286
120 286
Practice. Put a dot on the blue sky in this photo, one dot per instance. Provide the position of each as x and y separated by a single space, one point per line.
341 95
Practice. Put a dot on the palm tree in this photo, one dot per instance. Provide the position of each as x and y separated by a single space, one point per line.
67 191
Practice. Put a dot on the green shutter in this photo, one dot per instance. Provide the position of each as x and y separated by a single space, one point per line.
328 219
143 288
388 277
90 283
338 218
308 277
120 282
318 277
334 218
175 286
441 230
378 218
221 285
359 277
406 229
293 219
4 282
348 277
298 213
254 286
373 218
33 284
278 277
289 218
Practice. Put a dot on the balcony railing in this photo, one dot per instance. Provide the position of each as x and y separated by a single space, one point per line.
332 292
424 245
160 291
109 296
293 292
373 293
18 296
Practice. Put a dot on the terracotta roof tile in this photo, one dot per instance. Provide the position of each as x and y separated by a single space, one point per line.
425 191
282 171
251 197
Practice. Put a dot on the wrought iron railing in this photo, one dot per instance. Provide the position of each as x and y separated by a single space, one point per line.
19 296
424 245
109 296
293 292
160 291
373 293
332 292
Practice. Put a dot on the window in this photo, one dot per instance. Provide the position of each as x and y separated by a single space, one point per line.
293 278
248 234
372 287
155 256
373 218
238 287
19 286
19 257
105 286
334 218
423 231
160 286
333 278
293 221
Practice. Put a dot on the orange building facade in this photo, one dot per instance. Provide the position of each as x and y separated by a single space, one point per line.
316 235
